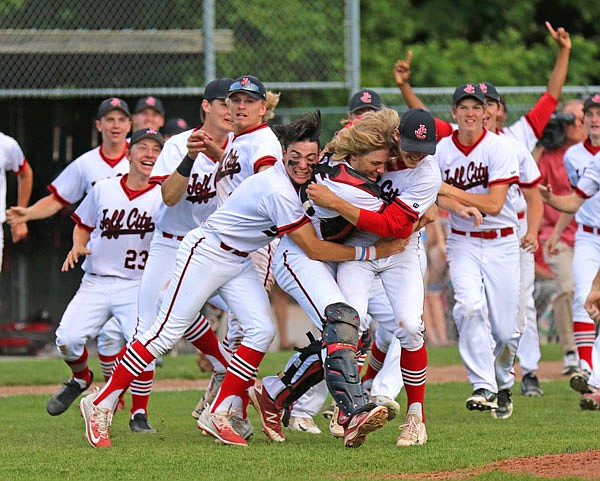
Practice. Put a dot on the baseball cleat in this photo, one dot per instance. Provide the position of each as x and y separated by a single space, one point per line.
590 401
97 422
505 405
216 379
335 428
579 382
362 424
219 426
269 415
62 399
412 432
304 425
392 406
530 385
328 411
482 400
242 426
139 424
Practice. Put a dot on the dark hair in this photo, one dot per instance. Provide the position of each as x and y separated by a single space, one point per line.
304 129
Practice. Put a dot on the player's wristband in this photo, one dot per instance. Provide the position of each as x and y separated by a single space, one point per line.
365 253
185 168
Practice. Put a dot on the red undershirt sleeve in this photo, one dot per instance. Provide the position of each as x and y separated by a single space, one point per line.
392 222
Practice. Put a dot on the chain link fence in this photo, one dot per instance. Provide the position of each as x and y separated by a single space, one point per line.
74 48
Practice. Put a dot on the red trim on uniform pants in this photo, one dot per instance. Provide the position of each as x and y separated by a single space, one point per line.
590 229
488 234
171 236
520 215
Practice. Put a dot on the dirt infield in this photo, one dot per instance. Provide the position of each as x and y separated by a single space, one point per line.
548 371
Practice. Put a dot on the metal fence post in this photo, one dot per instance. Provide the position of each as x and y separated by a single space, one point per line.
353 44
209 44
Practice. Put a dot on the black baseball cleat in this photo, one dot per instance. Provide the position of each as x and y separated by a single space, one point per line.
505 405
530 385
60 401
139 424
482 400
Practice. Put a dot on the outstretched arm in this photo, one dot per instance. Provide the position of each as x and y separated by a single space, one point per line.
43 208
402 76
561 66
569 203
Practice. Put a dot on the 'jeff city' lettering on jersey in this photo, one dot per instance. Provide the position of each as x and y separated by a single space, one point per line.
229 166
388 192
115 225
469 177
200 191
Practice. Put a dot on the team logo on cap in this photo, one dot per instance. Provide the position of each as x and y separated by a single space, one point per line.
245 81
483 88
469 89
151 131
181 123
366 98
115 102
151 101
596 99
421 132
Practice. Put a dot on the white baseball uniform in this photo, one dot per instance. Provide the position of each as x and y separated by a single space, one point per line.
121 223
69 187
582 169
249 151
484 261
11 159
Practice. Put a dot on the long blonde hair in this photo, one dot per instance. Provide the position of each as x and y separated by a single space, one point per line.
372 131
272 100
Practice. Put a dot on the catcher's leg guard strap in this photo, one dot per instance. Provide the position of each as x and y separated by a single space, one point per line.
341 369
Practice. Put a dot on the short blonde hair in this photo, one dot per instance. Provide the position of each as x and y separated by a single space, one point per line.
372 131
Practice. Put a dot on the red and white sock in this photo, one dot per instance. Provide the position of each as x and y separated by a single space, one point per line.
141 387
241 374
133 363
79 368
584 340
413 365
375 363
107 363
201 335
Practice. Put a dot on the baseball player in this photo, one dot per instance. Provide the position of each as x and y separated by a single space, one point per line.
410 188
149 112
478 168
13 159
215 257
527 129
580 160
530 210
107 160
363 101
186 176
114 227
363 150
174 126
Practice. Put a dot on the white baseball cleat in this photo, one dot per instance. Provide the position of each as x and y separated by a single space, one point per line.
412 432
304 425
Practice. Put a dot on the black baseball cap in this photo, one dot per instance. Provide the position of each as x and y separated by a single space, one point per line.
112 103
149 102
489 91
175 126
467 90
417 131
591 101
217 89
250 85
365 99
147 133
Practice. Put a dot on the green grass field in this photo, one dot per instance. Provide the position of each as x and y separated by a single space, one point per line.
37 446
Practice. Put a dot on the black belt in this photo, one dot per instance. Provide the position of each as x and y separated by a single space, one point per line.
171 236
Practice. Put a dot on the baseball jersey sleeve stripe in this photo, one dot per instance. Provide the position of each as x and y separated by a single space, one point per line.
264 161
80 223
529 185
22 166
158 179
57 196
581 193
508 180
286 229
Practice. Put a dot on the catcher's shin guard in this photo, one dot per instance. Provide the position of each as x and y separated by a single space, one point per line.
303 371
341 369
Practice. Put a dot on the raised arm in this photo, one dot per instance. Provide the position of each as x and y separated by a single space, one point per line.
561 66
43 208
402 76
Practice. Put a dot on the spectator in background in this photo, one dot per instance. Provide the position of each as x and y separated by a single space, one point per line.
13 159
557 233
174 126
149 112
